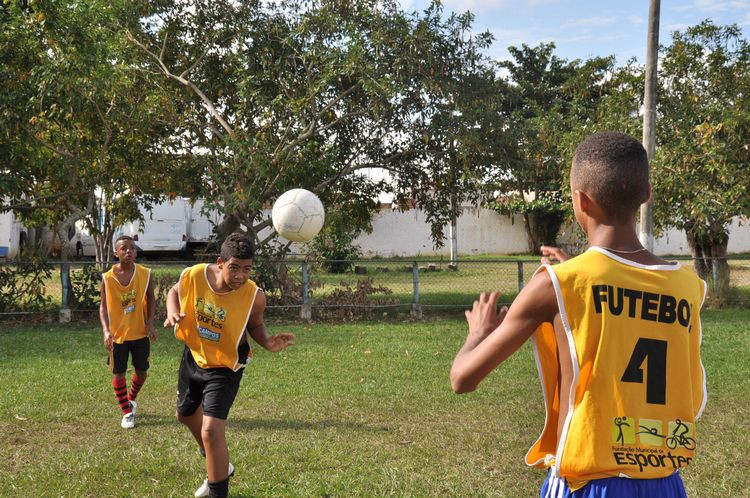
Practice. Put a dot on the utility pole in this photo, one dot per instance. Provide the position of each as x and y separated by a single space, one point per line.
646 234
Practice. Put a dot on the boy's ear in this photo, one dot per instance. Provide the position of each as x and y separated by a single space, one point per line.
584 201
648 195
219 261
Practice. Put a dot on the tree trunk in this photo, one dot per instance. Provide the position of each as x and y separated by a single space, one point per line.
709 258
229 225
530 235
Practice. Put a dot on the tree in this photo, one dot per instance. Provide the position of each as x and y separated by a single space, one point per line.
700 173
309 94
553 101
77 124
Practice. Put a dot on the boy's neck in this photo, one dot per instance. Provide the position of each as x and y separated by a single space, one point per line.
620 237
125 265
218 283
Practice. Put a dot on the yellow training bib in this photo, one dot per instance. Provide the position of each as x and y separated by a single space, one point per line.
214 323
126 305
633 333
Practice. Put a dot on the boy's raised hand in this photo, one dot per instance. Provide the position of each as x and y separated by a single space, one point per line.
279 341
484 316
550 253
173 318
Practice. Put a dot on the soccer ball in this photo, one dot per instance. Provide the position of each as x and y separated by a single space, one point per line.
298 215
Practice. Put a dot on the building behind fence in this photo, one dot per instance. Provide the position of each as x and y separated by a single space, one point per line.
307 289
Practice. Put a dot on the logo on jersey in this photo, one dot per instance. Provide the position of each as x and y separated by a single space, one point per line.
127 299
210 313
208 334
640 443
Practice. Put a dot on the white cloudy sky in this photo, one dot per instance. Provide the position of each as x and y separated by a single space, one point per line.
585 28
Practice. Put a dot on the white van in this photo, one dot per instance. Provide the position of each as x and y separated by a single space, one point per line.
165 228
13 236
82 244
201 226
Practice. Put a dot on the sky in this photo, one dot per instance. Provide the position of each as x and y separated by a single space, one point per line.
588 28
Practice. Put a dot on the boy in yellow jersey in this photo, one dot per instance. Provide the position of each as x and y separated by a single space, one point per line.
616 334
213 308
127 316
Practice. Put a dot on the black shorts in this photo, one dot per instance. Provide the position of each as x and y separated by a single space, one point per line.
140 350
216 388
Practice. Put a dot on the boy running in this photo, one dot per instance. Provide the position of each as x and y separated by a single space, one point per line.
127 317
213 308
616 334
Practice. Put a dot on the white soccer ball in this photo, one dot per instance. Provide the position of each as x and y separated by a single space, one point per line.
298 215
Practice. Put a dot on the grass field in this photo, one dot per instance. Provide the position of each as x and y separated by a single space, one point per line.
360 409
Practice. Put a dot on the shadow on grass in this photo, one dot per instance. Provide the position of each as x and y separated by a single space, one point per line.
147 420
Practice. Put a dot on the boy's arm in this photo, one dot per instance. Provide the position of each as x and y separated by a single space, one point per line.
493 338
256 327
104 319
150 310
173 307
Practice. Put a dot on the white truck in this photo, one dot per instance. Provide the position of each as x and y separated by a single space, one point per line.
175 226
13 235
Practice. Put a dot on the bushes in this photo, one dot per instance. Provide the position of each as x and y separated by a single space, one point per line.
350 303
85 288
23 286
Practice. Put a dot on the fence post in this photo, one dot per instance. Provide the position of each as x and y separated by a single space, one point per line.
416 308
65 283
715 278
520 275
305 312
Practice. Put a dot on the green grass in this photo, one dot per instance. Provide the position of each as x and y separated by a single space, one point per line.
351 410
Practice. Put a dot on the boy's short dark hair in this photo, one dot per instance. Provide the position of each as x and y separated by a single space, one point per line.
124 237
612 167
237 245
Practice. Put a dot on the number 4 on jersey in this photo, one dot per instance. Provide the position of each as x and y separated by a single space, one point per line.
655 352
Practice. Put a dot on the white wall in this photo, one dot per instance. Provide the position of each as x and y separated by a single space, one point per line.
483 231
407 233
675 241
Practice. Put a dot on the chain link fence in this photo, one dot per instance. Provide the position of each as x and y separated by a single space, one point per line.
321 289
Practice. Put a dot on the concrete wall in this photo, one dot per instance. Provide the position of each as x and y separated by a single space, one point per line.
483 231
407 233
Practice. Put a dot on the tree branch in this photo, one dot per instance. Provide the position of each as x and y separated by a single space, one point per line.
185 82
56 150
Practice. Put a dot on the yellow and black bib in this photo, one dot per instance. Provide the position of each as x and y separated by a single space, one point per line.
214 323
633 333
126 305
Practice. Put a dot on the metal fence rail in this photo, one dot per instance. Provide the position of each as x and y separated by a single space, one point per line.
309 289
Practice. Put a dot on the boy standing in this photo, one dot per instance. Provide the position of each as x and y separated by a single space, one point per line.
213 308
616 335
127 317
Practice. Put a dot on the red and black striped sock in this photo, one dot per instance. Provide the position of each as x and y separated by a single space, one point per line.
121 391
135 386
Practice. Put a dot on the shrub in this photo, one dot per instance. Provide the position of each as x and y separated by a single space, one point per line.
23 284
350 303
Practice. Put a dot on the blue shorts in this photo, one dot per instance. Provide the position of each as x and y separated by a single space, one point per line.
617 487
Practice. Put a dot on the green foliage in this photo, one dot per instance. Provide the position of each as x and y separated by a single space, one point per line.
281 283
78 124
546 216
554 104
700 172
335 243
23 284
288 94
86 286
